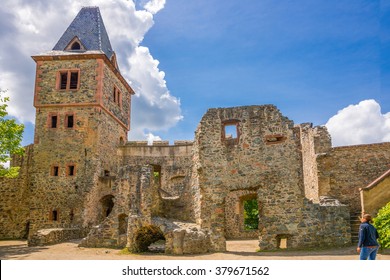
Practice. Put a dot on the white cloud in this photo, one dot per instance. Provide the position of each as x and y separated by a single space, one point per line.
32 27
363 123
154 6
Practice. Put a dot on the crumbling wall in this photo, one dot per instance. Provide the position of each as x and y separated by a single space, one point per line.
343 170
14 199
314 141
263 155
171 171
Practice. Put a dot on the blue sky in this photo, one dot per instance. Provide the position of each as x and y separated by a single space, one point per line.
320 61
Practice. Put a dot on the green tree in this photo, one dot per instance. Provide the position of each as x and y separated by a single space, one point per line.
11 135
382 224
251 214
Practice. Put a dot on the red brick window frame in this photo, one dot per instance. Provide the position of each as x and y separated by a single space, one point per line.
68 79
70 119
117 96
71 169
53 120
55 170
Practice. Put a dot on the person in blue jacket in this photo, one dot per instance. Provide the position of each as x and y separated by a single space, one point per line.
368 245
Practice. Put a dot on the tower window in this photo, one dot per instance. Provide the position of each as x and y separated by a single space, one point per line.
54 215
76 46
117 96
68 79
71 170
64 80
54 121
55 170
69 121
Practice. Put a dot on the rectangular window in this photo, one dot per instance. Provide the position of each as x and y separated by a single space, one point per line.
54 215
71 170
64 80
74 80
117 96
55 170
54 121
68 80
69 121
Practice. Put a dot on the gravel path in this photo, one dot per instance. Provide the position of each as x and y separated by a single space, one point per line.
236 250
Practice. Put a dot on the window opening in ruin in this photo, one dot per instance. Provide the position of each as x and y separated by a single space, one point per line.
54 121
231 131
107 203
282 241
251 214
274 139
55 170
121 141
54 215
157 174
76 46
71 170
106 173
122 224
69 121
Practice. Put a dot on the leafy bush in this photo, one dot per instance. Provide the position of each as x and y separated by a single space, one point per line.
382 224
251 214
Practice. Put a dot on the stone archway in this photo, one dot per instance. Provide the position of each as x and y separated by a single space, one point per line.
145 236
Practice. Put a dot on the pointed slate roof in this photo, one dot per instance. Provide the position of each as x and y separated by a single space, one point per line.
88 27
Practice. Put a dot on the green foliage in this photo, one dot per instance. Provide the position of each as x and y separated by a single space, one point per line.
146 236
251 214
11 135
382 224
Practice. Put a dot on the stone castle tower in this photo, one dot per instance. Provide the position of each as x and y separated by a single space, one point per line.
82 179
82 115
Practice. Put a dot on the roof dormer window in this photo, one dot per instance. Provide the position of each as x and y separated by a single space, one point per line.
75 46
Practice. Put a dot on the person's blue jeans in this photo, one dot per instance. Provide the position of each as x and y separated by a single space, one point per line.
368 253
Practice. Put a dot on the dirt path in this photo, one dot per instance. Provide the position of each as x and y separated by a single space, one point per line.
236 250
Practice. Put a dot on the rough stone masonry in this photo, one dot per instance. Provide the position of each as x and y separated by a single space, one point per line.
82 179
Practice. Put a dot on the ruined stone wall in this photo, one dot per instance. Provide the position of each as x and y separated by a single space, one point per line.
171 192
344 170
314 141
263 159
14 199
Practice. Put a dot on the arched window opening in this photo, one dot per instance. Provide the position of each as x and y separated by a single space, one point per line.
107 203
